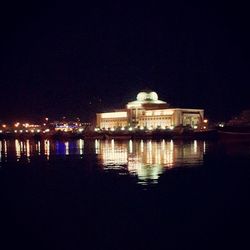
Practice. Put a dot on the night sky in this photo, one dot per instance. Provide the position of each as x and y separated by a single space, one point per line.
66 58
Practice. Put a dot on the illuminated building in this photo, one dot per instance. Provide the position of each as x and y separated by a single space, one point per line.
148 112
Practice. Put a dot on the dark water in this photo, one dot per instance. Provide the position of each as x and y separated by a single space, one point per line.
124 194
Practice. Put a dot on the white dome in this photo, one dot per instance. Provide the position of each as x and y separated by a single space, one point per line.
153 96
143 96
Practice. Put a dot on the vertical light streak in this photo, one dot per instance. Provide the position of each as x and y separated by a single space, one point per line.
47 148
81 146
18 149
67 148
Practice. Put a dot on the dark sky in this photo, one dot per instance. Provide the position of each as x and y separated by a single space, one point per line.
72 59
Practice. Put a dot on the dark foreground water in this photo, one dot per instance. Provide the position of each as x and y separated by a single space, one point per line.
124 194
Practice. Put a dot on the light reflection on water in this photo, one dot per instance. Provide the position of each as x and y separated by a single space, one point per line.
146 159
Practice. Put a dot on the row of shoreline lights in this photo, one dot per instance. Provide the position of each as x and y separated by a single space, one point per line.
133 128
146 128
39 131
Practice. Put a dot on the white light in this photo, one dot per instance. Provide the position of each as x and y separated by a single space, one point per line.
195 126
38 130
171 127
80 129
15 131
32 131
205 121
26 131
122 128
112 129
141 128
1 131
46 130
130 129
204 127
96 129
20 131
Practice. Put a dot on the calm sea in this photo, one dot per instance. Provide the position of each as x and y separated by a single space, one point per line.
124 194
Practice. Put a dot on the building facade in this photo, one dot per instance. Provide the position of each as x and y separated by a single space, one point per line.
148 112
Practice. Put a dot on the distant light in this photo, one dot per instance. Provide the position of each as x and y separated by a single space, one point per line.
32 130
4 125
130 128
96 129
1 131
141 128
80 129
20 131
221 125
150 128
163 127
122 128
195 126
112 129
38 130
171 127
205 121
204 127
26 131
15 131
46 130
46 118
44 124
17 124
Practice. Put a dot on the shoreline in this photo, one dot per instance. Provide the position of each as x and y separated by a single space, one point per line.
208 134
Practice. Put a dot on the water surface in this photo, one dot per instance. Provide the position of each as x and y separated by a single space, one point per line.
118 194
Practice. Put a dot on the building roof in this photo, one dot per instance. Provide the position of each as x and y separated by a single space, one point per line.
145 98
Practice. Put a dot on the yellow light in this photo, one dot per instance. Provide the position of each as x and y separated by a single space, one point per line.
1 131
17 124
122 128
141 128
130 129
205 121
134 105
38 130
171 127
204 127
168 112
20 131
195 126
15 131
96 129
26 131
46 130
4 125
80 129
112 129
114 115
32 131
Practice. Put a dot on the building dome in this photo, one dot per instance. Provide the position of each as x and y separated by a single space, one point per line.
147 96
